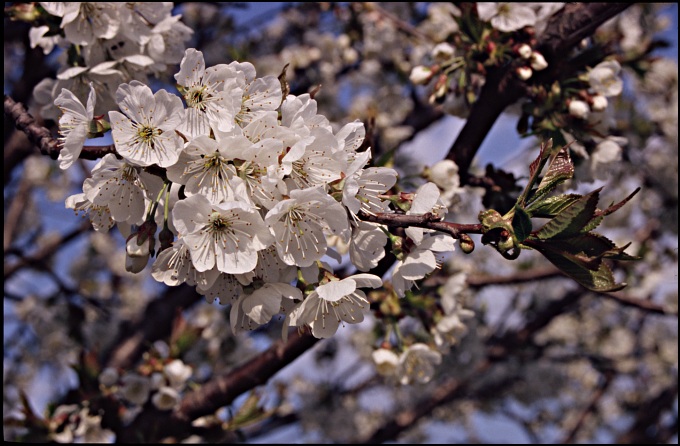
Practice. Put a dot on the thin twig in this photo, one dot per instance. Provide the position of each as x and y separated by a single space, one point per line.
428 221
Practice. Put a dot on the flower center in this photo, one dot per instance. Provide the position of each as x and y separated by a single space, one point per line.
147 133
197 97
217 222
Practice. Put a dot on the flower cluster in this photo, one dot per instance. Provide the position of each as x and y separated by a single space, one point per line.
105 44
252 188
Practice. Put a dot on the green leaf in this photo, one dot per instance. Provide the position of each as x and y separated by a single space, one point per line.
593 223
592 273
560 169
592 245
521 224
551 206
572 219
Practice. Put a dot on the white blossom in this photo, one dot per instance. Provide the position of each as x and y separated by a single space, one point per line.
226 235
417 364
135 388
147 135
420 261
73 125
261 305
420 75
300 223
166 398
426 200
122 187
507 17
604 78
333 303
83 22
100 216
538 62
386 361
177 373
205 167
367 245
213 95
599 103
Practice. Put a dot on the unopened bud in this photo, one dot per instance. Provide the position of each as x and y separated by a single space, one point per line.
538 62
166 237
578 109
524 73
524 51
420 75
598 103
466 244
442 51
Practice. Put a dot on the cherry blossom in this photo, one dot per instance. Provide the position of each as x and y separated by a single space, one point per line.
74 125
147 135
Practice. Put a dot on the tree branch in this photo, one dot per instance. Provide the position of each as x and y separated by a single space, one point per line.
428 221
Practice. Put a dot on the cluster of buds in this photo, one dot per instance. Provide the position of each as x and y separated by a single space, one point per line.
533 61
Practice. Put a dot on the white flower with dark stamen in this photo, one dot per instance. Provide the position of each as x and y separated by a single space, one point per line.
315 164
301 222
147 135
259 160
213 95
259 95
73 125
100 216
420 261
226 235
206 168
363 191
121 187
173 267
334 302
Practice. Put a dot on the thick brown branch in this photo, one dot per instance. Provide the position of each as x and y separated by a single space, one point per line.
219 392
502 88
428 221
222 390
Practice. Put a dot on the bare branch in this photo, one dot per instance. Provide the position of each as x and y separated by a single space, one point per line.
428 221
